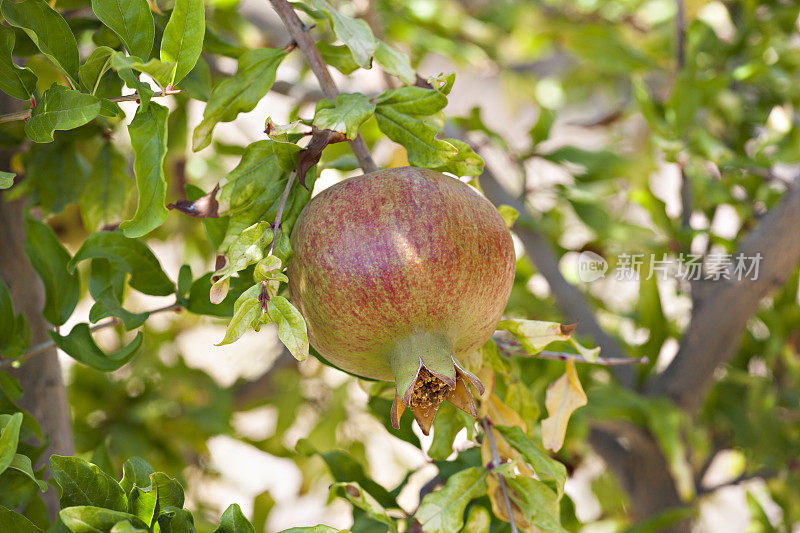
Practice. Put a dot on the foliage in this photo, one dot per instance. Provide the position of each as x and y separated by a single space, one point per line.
722 117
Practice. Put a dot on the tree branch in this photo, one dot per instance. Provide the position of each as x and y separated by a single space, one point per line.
320 69
43 347
515 349
570 300
719 320
23 115
276 227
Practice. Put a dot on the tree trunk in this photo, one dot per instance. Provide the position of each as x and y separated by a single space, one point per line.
41 379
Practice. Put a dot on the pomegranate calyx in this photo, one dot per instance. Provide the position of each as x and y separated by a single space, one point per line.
426 373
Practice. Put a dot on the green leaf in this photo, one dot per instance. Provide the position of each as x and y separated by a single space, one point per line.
11 522
19 82
246 313
254 189
175 520
22 463
108 305
465 163
146 502
354 33
413 101
183 37
91 519
9 438
92 70
269 268
80 345
50 260
396 112
55 173
47 29
545 466
83 483
131 20
126 527
239 93
346 468
448 422
60 109
345 114
262 506
537 501
148 132
130 255
535 335
479 520
509 214
234 521
135 471
364 501
442 511
339 57
395 63
105 195
249 247
540 131
6 179
291 326
160 71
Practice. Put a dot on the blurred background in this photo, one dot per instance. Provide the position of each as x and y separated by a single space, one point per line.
615 127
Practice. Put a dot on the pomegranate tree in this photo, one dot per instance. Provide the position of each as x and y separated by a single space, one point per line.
399 273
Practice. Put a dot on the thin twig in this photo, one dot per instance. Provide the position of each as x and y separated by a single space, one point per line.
44 346
320 69
22 115
515 349
487 429
277 228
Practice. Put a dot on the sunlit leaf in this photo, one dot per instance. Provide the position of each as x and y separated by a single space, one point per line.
535 335
148 132
354 33
131 20
239 93
564 396
183 37
291 326
345 114
84 484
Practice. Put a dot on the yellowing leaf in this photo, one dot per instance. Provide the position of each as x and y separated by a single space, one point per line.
590 354
500 414
564 396
535 335
499 509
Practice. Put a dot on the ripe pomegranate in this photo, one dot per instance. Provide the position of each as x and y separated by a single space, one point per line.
398 273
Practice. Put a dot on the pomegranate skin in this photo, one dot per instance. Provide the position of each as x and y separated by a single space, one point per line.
395 253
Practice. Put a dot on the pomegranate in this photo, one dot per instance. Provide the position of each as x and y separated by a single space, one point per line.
398 273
